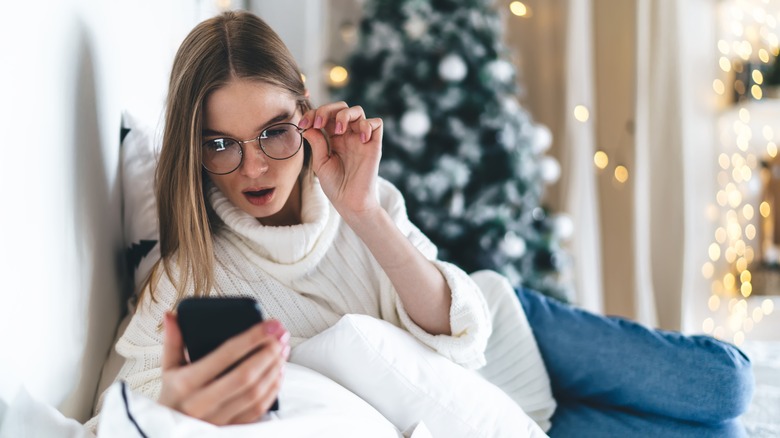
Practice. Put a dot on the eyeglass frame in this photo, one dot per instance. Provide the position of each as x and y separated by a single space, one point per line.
241 144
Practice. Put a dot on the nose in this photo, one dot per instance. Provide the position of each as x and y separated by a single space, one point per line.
255 161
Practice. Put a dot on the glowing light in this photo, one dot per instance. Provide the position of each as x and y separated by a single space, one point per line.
768 132
758 314
746 289
601 160
714 252
730 255
723 160
739 86
722 198
707 270
764 209
749 254
723 46
746 173
771 149
735 198
338 75
725 64
745 276
714 303
744 115
748 211
519 9
755 90
708 325
581 113
758 77
750 232
718 86
741 264
621 174
720 235
739 247
763 55
303 78
717 287
729 282
768 306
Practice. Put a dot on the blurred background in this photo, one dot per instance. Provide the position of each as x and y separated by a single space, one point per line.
616 154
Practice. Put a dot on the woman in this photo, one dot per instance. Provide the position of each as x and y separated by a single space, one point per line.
261 195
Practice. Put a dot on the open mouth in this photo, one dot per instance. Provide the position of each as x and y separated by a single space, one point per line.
259 197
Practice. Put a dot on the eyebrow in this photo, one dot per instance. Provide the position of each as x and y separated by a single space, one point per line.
286 115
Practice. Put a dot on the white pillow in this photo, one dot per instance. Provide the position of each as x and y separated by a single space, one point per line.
140 152
408 382
310 405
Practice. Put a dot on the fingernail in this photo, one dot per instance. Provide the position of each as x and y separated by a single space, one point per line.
303 123
363 137
339 128
286 352
273 327
318 122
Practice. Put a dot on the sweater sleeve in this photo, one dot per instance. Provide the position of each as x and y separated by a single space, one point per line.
470 321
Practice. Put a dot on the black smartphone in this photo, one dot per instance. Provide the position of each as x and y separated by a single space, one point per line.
208 322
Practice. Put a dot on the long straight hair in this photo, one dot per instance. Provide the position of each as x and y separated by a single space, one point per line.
233 45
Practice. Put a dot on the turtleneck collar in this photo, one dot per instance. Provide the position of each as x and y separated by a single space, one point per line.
283 250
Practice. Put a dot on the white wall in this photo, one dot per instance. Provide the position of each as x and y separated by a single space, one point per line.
69 68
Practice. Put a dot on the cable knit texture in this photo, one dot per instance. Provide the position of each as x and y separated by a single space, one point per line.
308 276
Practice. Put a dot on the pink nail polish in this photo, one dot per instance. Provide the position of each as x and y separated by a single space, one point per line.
273 327
318 122
304 123
363 137
286 352
339 128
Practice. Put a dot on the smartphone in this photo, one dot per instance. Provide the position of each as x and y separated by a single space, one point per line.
208 322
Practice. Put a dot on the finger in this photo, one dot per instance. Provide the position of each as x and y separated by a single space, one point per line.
346 116
368 129
261 406
173 345
319 117
320 151
239 389
233 350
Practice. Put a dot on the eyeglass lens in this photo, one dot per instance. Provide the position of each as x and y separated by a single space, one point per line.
224 155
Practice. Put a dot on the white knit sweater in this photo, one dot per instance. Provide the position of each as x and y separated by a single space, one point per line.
308 276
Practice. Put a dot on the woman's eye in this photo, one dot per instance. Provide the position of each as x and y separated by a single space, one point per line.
271 133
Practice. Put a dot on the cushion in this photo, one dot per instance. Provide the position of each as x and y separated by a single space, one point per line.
140 151
311 405
408 383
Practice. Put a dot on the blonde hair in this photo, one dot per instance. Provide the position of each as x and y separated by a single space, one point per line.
235 44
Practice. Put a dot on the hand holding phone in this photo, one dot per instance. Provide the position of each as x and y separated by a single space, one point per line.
213 386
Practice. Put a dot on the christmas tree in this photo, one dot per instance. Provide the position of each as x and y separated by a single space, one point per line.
467 157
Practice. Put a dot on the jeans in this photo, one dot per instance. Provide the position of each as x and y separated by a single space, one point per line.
615 378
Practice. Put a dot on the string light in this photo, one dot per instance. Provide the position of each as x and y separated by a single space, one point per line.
338 76
601 160
519 9
621 174
581 113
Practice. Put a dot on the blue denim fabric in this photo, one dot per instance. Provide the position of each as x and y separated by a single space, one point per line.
623 376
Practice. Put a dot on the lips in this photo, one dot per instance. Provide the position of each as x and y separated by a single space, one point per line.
259 196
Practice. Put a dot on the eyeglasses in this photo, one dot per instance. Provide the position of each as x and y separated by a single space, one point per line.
278 142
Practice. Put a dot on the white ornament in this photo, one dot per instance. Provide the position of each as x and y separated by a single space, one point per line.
549 169
512 245
415 27
457 204
542 139
452 68
500 70
563 226
415 123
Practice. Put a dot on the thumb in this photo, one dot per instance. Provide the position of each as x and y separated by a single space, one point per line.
320 151
173 345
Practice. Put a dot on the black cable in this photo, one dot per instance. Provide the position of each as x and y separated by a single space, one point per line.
127 409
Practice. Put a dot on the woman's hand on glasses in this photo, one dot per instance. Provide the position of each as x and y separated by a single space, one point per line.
348 171
204 389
